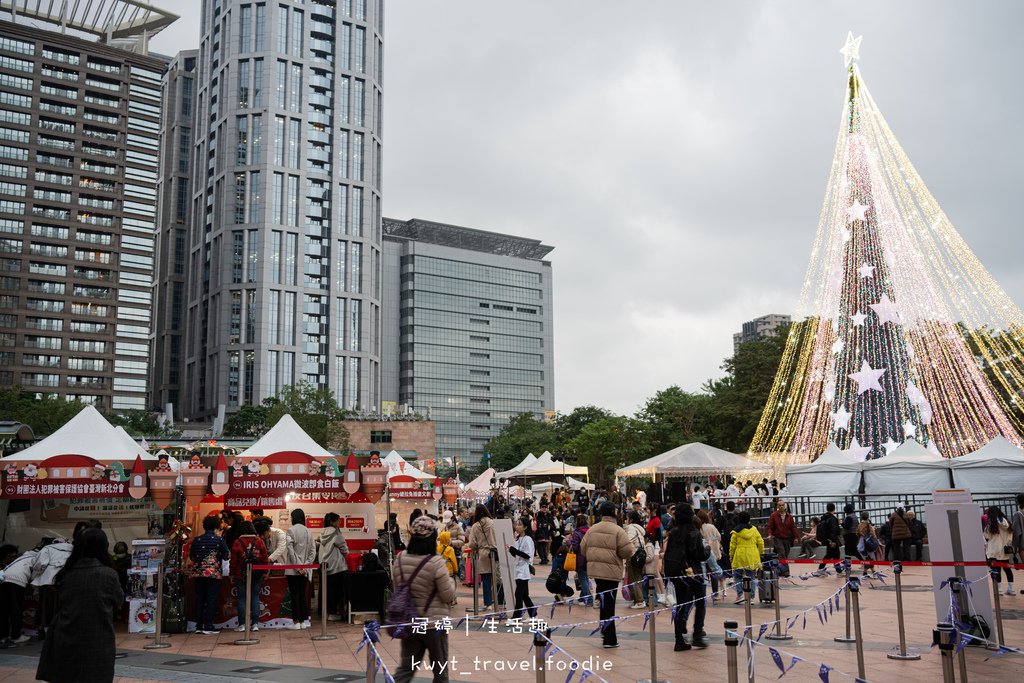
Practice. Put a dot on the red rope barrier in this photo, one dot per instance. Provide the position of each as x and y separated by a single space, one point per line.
267 567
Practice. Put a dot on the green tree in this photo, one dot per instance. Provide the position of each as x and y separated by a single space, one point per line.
671 418
739 397
523 434
568 425
315 410
250 420
44 414
605 445
141 423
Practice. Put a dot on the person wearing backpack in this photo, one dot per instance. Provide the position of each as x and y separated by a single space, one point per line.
580 529
247 550
638 562
828 535
867 542
543 532
333 550
207 554
447 552
685 553
423 591
850 538
481 541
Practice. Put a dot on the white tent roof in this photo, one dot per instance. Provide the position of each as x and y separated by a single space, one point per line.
518 470
132 443
286 435
397 465
996 466
693 458
575 484
481 484
911 468
547 466
88 433
833 473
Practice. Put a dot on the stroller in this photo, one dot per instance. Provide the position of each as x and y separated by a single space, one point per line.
558 580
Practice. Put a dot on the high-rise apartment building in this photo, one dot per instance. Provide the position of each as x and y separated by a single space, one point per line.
173 221
79 148
470 316
759 328
284 247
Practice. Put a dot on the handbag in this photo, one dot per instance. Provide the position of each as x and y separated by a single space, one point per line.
639 558
627 590
570 562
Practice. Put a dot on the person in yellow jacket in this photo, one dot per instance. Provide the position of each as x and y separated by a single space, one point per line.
745 549
447 553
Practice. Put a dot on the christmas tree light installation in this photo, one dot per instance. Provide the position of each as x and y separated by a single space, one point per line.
903 334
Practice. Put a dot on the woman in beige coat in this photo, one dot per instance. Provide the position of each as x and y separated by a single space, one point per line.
433 592
605 546
481 541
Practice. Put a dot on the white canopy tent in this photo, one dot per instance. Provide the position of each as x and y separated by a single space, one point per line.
132 443
996 466
547 466
482 484
833 473
576 484
88 433
518 470
397 465
693 459
286 435
911 468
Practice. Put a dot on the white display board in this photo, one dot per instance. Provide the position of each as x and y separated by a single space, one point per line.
503 538
954 536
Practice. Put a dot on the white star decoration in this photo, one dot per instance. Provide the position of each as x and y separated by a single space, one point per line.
867 270
851 51
830 391
858 318
909 430
914 395
841 418
890 445
866 378
837 347
886 310
845 234
856 212
856 451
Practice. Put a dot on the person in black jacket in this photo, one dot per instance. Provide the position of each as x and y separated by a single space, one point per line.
850 533
684 555
828 535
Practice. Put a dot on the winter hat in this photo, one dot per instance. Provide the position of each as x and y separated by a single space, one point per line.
446 516
423 527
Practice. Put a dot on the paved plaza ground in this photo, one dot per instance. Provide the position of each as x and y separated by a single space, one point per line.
291 657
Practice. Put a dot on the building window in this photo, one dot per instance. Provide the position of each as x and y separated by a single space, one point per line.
282 29
261 27
243 84
380 436
282 84
272 373
257 82
245 28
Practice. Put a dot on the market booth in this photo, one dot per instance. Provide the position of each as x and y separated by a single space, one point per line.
910 468
995 467
833 473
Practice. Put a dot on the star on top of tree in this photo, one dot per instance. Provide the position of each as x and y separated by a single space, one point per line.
886 310
857 211
867 378
851 50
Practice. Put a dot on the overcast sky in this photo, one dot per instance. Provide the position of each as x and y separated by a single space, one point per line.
675 154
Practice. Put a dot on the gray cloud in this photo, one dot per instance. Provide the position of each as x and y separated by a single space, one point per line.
676 154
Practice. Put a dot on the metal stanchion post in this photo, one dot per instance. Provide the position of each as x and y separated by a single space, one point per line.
248 639
955 587
897 569
944 636
324 635
476 586
854 583
652 634
778 635
748 593
371 665
495 577
1000 639
538 654
731 643
158 642
848 638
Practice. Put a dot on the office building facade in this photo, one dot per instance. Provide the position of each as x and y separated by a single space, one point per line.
759 328
79 148
284 249
470 313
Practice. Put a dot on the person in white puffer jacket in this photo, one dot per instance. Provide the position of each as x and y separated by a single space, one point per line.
50 560
12 597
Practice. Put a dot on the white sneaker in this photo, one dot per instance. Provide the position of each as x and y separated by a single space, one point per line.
294 626
307 624
662 600
638 605
240 629
255 628
20 640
